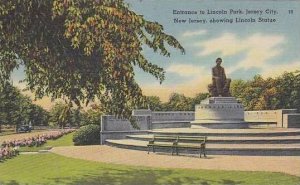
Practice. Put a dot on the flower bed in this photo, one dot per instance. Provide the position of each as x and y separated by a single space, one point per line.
10 148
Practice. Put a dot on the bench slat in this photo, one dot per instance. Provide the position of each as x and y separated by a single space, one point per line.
174 142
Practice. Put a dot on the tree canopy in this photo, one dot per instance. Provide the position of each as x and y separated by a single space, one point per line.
282 92
16 108
81 49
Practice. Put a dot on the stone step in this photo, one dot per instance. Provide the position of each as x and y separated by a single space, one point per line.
220 149
230 139
262 132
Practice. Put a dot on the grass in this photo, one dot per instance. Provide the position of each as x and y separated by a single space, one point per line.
65 140
50 169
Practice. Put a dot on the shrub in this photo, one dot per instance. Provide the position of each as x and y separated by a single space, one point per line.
87 135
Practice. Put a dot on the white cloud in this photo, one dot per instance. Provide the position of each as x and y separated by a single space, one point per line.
228 44
194 33
258 49
185 70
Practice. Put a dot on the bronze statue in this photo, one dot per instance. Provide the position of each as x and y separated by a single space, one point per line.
220 84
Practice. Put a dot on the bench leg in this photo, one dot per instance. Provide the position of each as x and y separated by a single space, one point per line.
148 149
153 149
203 151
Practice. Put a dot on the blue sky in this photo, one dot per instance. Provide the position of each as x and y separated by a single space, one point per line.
247 49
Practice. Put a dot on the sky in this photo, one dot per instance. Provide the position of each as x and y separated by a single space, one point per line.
247 49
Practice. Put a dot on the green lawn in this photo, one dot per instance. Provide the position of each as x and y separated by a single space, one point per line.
46 169
65 140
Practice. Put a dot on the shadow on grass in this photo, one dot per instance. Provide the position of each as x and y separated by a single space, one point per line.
13 182
137 177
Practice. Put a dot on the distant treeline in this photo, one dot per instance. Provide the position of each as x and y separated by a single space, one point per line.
18 109
282 92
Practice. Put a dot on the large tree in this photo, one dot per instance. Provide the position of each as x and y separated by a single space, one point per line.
11 105
16 108
178 102
80 49
60 114
282 92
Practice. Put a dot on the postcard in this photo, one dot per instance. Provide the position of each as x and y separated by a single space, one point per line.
150 92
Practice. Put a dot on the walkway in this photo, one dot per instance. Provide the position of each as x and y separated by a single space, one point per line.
107 154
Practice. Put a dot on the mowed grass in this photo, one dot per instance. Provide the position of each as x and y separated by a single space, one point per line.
50 169
66 140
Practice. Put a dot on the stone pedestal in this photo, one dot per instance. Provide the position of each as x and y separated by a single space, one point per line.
220 113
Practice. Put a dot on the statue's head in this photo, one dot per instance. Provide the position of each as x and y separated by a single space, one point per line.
218 61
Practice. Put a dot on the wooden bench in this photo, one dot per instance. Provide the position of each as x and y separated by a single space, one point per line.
164 141
192 143
177 142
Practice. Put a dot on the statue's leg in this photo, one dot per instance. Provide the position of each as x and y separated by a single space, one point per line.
212 89
226 89
219 86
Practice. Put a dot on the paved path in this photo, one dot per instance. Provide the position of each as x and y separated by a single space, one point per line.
107 154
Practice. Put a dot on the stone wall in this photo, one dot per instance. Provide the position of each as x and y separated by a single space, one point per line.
173 116
220 111
280 119
268 116
114 128
291 120
111 123
141 112
261 116
171 119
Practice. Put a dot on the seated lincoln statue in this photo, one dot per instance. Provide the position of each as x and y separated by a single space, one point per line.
220 84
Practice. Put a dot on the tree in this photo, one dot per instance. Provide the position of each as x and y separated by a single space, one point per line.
258 93
153 103
92 116
198 98
37 115
80 49
288 87
60 114
16 108
178 102
76 117
10 98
